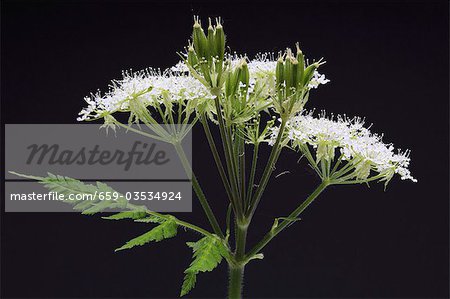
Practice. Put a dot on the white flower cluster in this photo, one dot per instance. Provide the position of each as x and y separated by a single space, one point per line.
264 64
357 145
174 84
147 86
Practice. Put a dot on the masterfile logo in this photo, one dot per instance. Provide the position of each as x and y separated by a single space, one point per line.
136 167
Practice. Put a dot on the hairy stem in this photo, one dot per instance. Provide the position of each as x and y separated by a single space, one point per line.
236 276
237 268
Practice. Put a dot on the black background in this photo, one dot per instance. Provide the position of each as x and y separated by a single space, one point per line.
386 61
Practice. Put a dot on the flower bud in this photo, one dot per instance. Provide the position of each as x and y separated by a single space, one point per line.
280 71
301 64
219 40
192 58
244 75
199 39
232 81
211 40
288 72
294 75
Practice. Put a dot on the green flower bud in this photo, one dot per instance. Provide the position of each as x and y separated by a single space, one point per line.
192 58
279 75
232 81
244 75
219 40
294 74
301 65
288 72
280 71
199 39
211 40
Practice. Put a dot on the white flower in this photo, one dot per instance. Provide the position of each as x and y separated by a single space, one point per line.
147 86
357 145
262 65
317 79
180 67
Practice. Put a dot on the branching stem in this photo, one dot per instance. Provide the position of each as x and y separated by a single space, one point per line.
281 226
274 154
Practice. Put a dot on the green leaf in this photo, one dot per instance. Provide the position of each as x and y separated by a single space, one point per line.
151 219
135 215
91 202
166 230
189 283
208 253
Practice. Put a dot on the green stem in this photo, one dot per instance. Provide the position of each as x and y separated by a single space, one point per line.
241 239
229 159
274 154
216 156
130 128
198 190
236 276
345 182
177 221
241 153
191 226
285 223
251 180
237 268
233 145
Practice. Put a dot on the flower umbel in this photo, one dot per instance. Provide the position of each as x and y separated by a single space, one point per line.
149 87
326 140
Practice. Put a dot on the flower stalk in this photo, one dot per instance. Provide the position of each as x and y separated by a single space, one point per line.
279 227
199 192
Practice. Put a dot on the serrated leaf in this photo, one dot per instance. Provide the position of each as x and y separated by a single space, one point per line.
135 215
208 253
151 219
189 283
90 204
167 229
101 206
